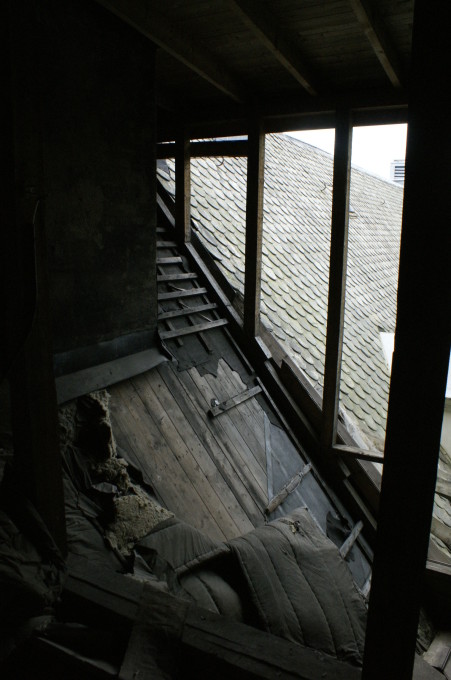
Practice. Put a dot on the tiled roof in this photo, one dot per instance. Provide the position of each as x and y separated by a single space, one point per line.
296 244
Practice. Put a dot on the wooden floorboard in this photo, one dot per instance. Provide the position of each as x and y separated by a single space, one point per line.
242 416
226 431
185 394
160 463
251 407
175 426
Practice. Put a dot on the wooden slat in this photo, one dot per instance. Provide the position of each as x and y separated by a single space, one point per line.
169 260
287 489
264 26
187 311
236 445
166 244
150 21
251 653
268 449
103 375
175 295
196 328
224 646
251 428
349 542
254 228
233 401
356 452
376 33
184 276
337 277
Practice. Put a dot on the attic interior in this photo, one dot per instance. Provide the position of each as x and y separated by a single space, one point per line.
144 446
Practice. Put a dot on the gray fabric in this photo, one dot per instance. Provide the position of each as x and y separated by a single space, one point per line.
181 545
301 587
212 592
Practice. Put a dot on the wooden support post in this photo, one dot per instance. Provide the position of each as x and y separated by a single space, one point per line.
37 457
337 277
254 228
420 360
183 188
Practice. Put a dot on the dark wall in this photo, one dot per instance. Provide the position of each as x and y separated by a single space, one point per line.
97 121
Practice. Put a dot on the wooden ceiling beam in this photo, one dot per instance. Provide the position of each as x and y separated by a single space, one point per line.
284 50
375 31
148 20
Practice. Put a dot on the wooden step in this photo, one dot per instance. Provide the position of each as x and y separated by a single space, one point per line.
164 278
169 260
181 294
166 244
188 330
186 311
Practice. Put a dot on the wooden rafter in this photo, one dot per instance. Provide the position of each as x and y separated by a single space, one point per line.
182 187
284 50
377 36
219 149
254 228
412 444
337 277
146 18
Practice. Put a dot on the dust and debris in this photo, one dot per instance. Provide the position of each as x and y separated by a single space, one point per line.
113 471
86 424
135 516
85 428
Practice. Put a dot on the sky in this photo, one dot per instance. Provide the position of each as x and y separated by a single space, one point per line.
373 147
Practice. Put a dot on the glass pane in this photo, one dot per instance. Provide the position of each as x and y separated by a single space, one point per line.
375 215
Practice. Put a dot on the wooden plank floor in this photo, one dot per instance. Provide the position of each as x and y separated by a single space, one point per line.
211 472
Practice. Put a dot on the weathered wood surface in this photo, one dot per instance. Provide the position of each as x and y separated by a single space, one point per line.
349 542
215 644
182 276
195 328
98 377
233 401
186 311
197 467
287 489
174 295
362 454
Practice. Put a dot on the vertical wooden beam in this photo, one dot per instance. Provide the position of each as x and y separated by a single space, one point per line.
37 456
254 228
183 188
420 359
337 276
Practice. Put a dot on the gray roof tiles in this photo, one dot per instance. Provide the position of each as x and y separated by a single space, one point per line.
296 243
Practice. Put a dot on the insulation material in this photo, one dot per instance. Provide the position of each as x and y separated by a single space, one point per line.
135 516
301 587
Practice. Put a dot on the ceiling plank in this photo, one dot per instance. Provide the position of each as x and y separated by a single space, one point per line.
148 20
375 31
283 49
